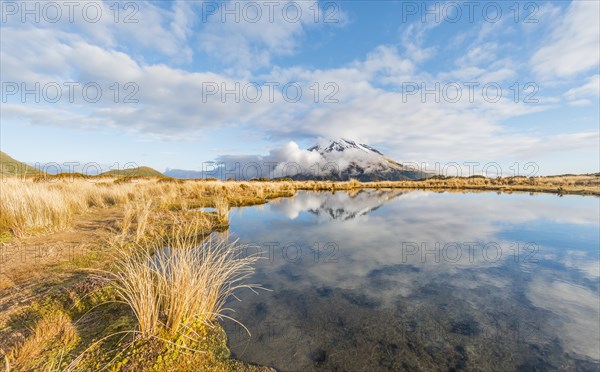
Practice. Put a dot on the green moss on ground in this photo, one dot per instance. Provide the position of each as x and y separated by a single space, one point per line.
206 351
102 335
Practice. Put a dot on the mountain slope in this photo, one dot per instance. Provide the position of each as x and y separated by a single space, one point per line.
139 171
336 160
10 166
361 162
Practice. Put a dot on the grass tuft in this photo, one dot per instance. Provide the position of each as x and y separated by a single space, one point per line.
174 283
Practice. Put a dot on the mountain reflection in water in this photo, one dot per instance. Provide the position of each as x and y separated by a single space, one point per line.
416 280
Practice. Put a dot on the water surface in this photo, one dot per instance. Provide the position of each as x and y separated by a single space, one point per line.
417 280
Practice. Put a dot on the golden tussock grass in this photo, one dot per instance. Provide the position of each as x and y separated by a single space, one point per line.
222 209
54 335
31 206
135 223
168 274
174 283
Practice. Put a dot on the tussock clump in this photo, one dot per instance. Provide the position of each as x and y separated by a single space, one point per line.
135 223
172 284
222 209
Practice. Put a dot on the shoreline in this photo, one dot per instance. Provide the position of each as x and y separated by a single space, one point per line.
123 213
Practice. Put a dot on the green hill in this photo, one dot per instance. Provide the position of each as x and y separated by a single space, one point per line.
133 172
10 166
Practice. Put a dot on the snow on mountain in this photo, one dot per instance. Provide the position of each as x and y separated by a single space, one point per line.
339 159
341 145
350 159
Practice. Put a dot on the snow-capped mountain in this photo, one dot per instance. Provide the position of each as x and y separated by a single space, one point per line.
347 159
341 145
339 159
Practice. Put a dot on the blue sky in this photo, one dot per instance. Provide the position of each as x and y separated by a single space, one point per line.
367 57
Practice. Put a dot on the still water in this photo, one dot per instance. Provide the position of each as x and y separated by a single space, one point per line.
419 280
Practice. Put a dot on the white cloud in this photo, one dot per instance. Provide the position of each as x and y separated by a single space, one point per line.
580 102
171 104
577 310
413 39
287 160
141 27
590 89
385 64
574 43
170 100
260 33
291 152
478 54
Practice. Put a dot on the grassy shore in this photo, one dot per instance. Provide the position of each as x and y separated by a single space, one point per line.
588 184
85 283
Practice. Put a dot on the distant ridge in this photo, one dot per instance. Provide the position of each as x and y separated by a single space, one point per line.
13 167
133 172
10 166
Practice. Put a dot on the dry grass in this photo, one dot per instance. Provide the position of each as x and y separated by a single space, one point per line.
171 290
567 184
170 285
136 219
53 335
26 205
34 206
30 207
222 209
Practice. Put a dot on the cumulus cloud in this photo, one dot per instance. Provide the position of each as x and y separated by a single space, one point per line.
170 101
288 160
291 153
368 102
136 27
172 106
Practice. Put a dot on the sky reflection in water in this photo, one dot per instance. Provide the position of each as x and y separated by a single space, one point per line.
393 279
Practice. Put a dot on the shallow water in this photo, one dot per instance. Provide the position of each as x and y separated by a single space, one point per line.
417 280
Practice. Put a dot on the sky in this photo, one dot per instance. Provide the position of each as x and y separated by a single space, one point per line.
178 84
